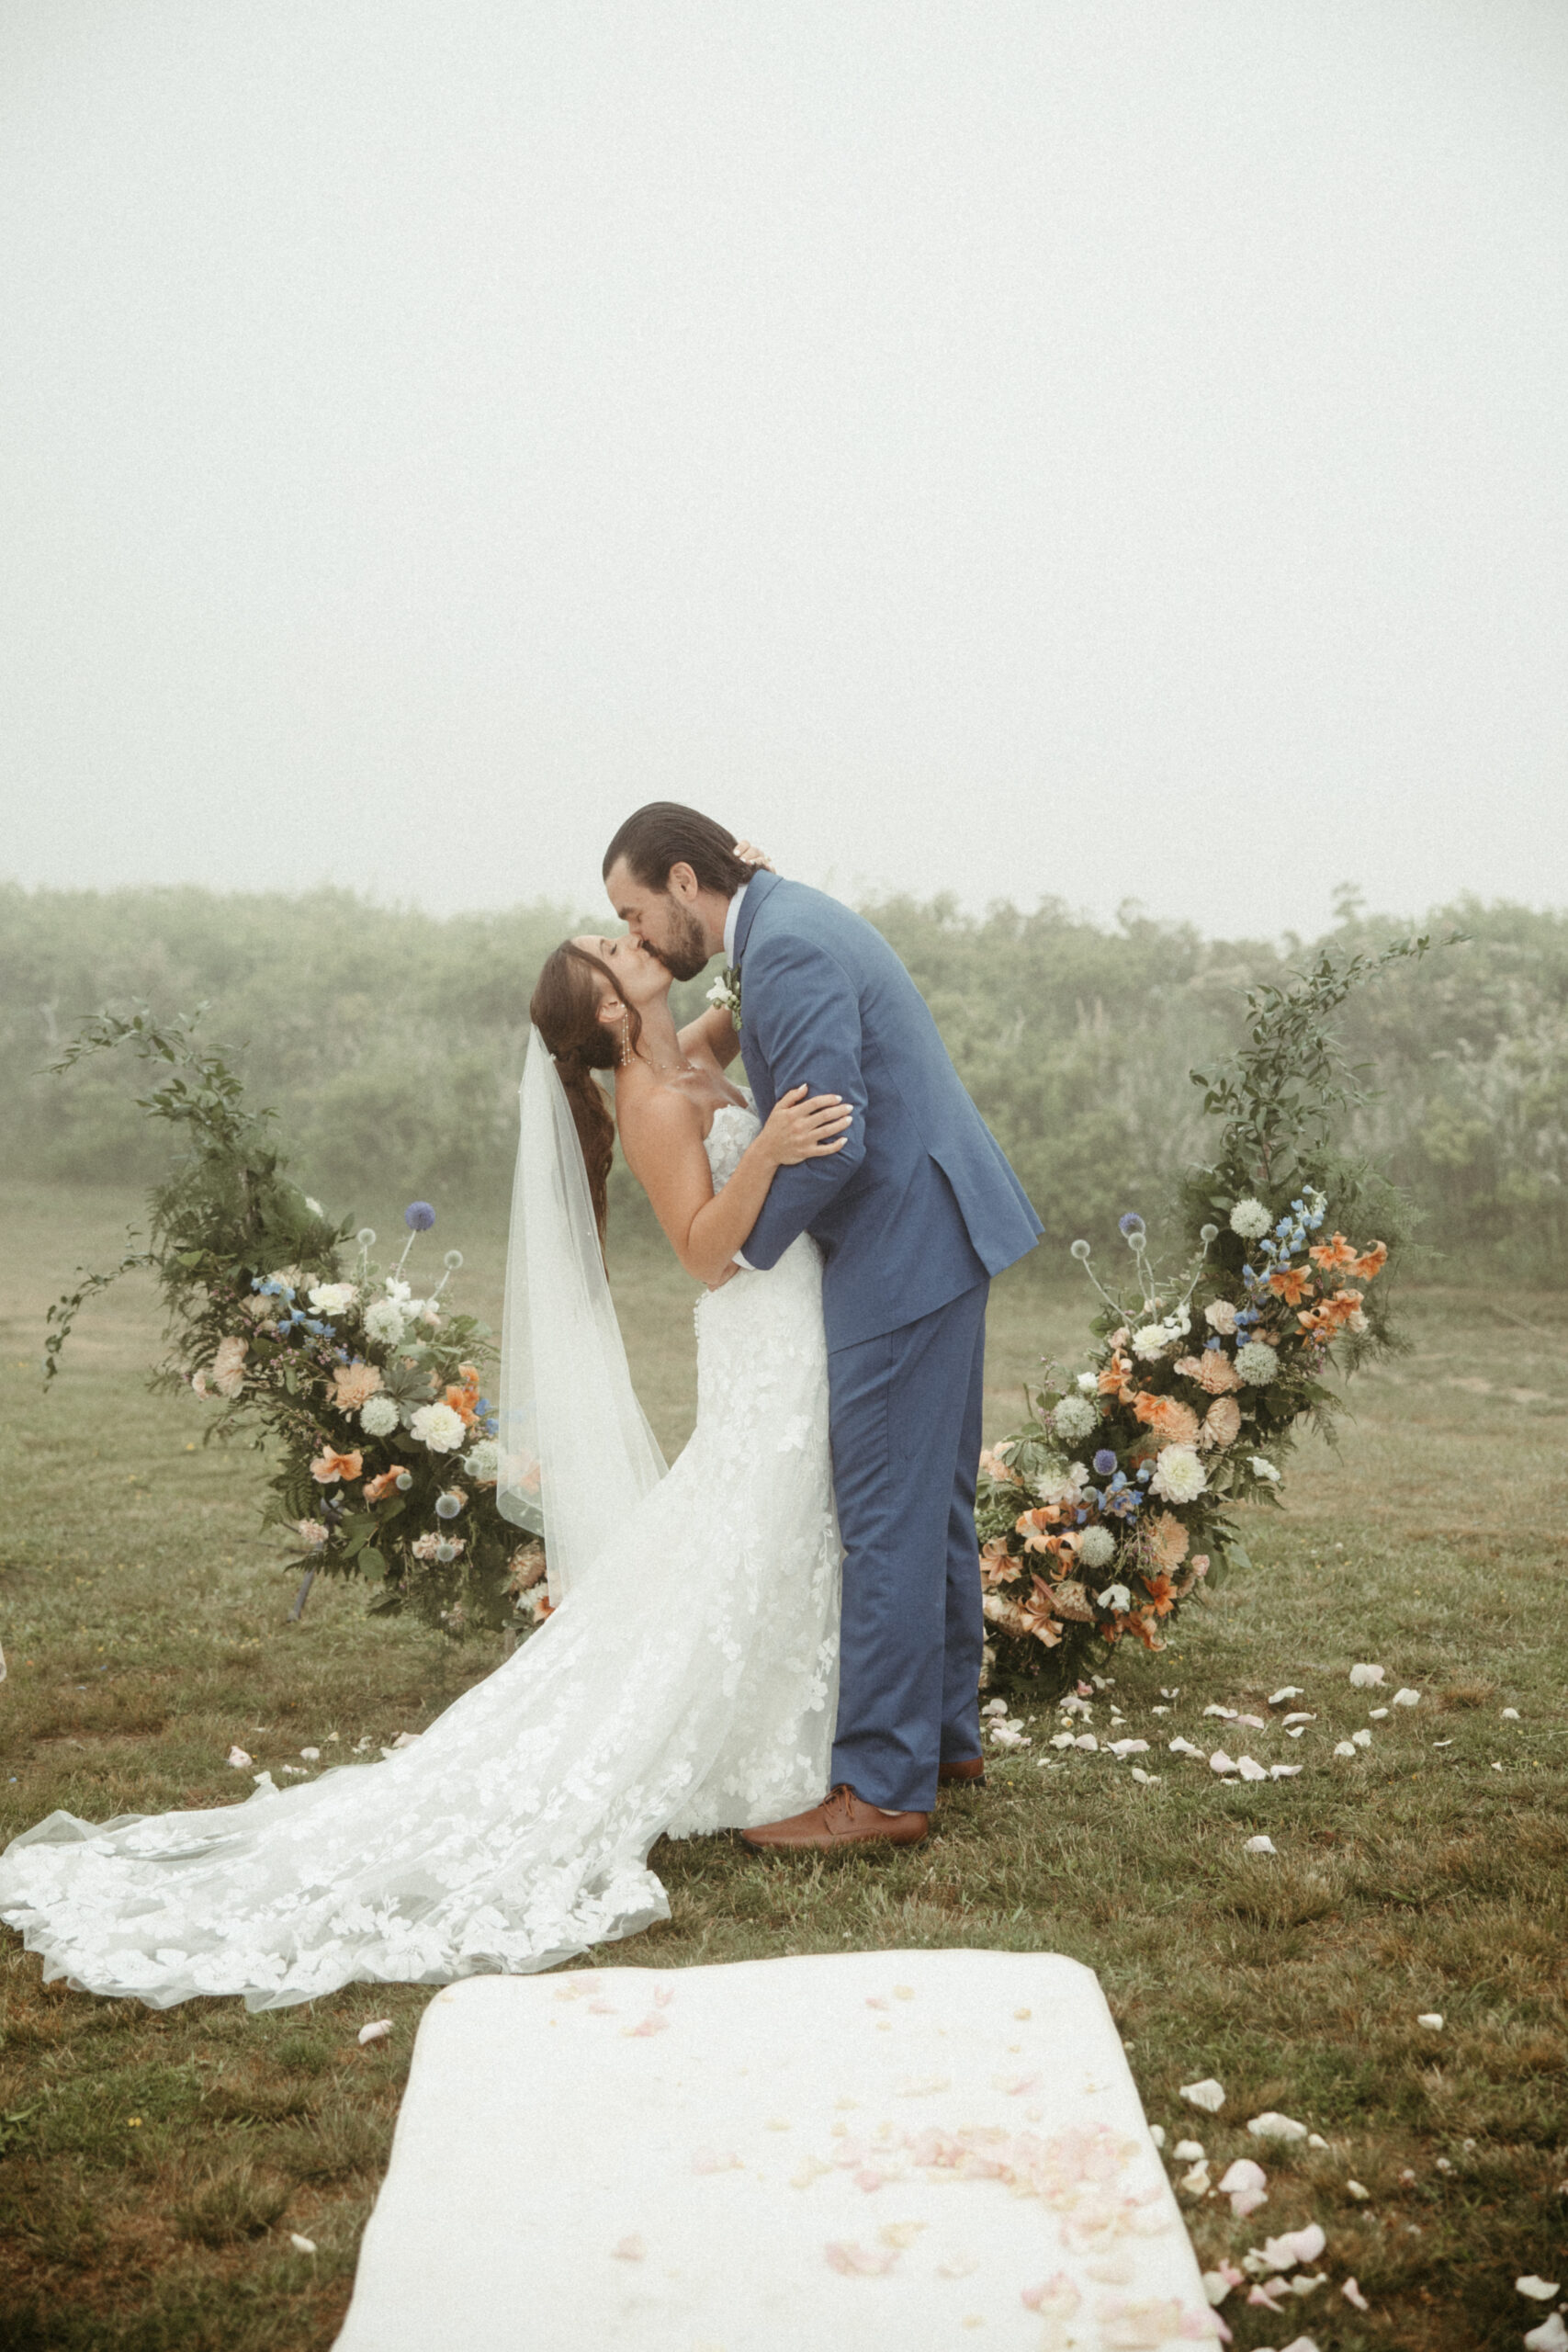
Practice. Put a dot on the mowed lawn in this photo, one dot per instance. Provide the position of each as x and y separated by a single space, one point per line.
154 2167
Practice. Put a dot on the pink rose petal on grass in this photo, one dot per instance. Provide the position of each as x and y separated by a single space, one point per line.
379 2031
1354 2296
859 2261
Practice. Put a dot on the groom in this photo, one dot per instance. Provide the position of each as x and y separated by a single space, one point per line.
913 1216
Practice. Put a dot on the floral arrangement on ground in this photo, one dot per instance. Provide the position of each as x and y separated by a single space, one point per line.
1118 1497
367 1398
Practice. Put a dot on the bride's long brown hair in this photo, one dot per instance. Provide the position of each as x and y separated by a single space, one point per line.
565 1011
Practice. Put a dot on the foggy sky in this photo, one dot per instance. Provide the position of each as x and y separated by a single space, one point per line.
1012 445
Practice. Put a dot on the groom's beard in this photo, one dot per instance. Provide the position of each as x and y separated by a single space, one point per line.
689 953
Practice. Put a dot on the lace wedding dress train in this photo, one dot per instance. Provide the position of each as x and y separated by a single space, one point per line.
687 1683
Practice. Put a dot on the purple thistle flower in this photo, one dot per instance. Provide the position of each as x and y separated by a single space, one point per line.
419 1216
1130 1224
1104 1462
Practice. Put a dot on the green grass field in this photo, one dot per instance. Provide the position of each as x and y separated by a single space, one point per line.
153 2166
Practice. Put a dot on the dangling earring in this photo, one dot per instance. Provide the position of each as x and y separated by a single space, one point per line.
625 1040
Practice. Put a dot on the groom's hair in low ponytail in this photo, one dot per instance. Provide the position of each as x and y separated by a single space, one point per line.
565 1011
665 834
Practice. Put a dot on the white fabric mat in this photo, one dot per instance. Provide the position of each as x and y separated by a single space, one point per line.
909 2150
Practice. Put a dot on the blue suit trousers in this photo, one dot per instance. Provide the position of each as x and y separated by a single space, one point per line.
904 1411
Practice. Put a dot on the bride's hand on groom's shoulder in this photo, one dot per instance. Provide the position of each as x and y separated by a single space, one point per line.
803 1125
749 855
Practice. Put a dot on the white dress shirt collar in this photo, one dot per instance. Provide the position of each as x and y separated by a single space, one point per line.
731 920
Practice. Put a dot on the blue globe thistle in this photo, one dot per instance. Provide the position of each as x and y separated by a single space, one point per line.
419 1216
448 1505
1128 1225
1104 1462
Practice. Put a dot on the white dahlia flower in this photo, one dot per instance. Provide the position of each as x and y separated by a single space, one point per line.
483 1461
378 1416
1097 1547
1179 1476
1250 1220
1074 1417
1151 1341
384 1321
1261 1467
1257 1363
439 1427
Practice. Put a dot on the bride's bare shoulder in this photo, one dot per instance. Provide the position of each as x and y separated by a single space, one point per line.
658 1119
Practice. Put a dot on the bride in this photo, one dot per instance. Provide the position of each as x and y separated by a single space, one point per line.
686 1677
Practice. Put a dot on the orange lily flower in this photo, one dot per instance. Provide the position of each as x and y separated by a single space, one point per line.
1330 1255
1371 1264
1291 1283
1162 1592
328 1467
383 1484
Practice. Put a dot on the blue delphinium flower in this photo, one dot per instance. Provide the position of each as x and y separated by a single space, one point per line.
1104 1462
419 1216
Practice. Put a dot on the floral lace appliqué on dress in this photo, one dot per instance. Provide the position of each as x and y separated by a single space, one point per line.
687 1683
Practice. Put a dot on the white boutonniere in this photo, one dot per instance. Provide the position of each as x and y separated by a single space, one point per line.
726 992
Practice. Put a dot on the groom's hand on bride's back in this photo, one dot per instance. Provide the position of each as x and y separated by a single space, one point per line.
803 1125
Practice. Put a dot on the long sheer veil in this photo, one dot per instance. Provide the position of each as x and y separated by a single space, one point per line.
576 1451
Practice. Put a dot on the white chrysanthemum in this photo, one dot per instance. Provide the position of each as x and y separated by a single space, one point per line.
482 1460
1179 1476
1220 1316
1250 1220
1060 1485
1115 1596
1074 1417
1088 1384
1257 1363
398 1291
1151 1341
378 1417
1262 1467
439 1427
384 1321
1097 1547
334 1299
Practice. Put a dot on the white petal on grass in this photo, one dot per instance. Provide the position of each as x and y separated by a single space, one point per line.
1550 2336
310 1755
1539 2290
1208 2095
1196 2182
238 1760
1270 2125
1299 1716
1225 1714
1354 2189
1157 2133
1354 2296
1407 1698
1433 2019
1087 1741
1316 2140
379 2031
1361 1738
1343 1747
1250 1770
1378 1715
1185 1748
1222 1763
1295 2245
1284 1771
1291 1690
1260 1846
1511 1714
1129 1746
1245 2172
1189 2151
301 2245
1365 1678
1146 1779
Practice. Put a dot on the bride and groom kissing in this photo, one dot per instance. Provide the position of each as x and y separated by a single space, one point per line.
781 1632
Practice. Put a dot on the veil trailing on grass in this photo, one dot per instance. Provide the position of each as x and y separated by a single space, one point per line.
577 1453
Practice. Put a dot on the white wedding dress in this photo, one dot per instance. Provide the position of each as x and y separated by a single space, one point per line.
687 1682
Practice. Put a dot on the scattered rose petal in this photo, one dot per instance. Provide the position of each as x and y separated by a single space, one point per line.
1293 2246
1086 1740
1112 2270
1220 1762
1354 2189
1208 2095
1189 2151
1550 2336
1185 1748
1285 1772
1442 1743
652 2023
1365 1678
1253 1723
1539 2290
1057 2299
1146 1779
630 2250
663 1997
1354 2296
1291 1690
1343 1747
1250 1770
1407 1698
1245 2172
1260 1846
1247 2200
238 1758
899 2234
1316 2140
1264 2298
859 2261
1195 2183
379 2031
1301 2343
1225 1714
1129 1746
1157 2133
1218 2283
1271 2126
310 1755
1378 1715
1297 1716
1434 2019
877 2001
1062 1739
1510 1715
1362 1738
301 2245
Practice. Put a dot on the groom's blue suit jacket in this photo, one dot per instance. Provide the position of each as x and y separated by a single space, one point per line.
920 1205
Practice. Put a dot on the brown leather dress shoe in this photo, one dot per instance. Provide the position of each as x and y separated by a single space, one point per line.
970 1769
842 1819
